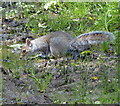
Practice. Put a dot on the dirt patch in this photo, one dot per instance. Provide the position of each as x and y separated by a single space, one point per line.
66 76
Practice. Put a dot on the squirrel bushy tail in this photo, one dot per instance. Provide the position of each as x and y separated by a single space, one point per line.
84 41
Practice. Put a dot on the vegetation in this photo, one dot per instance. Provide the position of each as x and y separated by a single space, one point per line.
96 84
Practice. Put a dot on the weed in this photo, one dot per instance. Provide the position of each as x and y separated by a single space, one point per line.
41 82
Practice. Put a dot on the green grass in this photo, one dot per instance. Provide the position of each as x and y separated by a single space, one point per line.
106 90
76 18
11 62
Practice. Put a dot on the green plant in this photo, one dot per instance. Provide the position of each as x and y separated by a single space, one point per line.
41 82
43 17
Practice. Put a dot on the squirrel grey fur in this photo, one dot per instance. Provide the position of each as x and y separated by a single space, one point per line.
59 43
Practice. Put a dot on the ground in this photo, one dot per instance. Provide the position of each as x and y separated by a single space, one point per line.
62 80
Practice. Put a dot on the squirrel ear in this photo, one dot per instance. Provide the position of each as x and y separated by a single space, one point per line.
28 41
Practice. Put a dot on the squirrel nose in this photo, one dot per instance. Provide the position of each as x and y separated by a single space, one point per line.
21 57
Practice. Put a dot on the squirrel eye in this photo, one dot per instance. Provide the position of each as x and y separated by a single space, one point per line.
24 51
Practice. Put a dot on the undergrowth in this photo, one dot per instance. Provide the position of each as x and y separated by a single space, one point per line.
76 18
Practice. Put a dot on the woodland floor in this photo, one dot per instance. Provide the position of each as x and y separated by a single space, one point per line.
72 80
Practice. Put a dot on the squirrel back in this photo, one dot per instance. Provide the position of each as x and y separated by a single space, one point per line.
55 43
59 45
84 41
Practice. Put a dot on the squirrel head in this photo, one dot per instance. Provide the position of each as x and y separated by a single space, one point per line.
25 48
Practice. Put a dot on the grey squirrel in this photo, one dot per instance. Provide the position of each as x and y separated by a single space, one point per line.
59 43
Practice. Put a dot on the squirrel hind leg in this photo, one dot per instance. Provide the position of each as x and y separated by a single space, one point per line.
75 55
